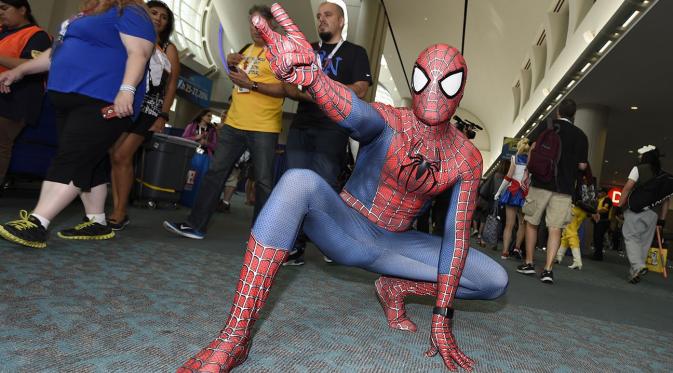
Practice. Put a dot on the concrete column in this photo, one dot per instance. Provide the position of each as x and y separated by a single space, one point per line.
593 120
371 35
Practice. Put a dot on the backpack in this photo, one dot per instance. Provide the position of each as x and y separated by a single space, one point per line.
544 158
650 193
586 192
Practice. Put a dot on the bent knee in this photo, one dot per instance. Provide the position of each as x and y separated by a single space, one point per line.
497 282
300 179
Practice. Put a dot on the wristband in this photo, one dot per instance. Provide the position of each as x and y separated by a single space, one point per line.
127 88
164 115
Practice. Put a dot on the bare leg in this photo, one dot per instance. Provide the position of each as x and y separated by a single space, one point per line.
122 173
553 243
228 193
531 239
510 213
54 197
521 231
94 200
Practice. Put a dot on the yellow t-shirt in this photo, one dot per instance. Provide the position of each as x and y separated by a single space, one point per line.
253 111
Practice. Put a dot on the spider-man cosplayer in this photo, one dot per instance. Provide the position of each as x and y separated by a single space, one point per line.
406 157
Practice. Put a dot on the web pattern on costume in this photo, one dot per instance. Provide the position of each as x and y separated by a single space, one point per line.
231 347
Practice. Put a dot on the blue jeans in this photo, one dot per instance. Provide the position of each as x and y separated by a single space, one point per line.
320 150
231 144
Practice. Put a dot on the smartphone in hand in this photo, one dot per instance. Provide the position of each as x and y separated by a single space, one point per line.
109 112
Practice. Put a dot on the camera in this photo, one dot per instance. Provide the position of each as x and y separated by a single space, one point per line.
469 129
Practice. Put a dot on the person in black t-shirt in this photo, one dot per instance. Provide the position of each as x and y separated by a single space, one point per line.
20 40
314 141
554 199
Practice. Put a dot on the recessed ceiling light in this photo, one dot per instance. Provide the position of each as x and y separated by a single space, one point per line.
586 67
588 36
548 108
605 46
558 97
425 19
634 107
631 18
570 84
630 151
545 92
606 161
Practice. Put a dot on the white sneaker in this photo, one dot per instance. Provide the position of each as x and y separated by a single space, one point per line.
327 260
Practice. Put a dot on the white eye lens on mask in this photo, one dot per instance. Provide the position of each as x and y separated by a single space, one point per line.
420 80
451 83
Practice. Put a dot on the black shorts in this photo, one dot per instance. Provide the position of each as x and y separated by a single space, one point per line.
141 126
85 138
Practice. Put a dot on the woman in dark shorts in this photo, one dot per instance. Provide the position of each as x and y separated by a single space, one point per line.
97 84
163 74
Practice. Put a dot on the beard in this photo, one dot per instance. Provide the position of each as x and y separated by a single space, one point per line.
325 36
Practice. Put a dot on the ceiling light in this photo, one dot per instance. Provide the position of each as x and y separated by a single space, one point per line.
545 92
585 68
540 117
570 84
522 122
588 36
634 108
425 19
605 46
633 16
560 95
630 151
606 161
646 2
548 108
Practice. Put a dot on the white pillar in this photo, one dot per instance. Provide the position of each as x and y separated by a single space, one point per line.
593 120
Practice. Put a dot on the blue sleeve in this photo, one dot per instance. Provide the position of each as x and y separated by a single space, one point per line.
136 22
363 123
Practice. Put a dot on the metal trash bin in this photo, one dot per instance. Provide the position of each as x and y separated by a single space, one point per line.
162 168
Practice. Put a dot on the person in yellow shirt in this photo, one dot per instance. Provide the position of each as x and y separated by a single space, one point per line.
253 122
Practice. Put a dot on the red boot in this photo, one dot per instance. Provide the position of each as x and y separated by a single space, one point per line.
231 347
391 292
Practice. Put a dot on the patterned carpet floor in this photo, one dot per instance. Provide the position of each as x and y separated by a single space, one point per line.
147 300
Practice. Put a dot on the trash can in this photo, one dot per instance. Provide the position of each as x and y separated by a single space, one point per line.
162 168
198 168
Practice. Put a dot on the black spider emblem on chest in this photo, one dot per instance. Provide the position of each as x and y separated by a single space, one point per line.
420 168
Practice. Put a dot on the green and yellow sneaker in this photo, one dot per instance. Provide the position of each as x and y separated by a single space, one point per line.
88 230
27 231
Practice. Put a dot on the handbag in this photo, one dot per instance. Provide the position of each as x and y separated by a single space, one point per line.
492 228
656 257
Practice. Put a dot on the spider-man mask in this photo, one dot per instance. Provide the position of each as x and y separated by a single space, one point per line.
437 83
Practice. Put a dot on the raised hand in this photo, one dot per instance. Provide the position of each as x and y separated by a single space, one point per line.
291 56
443 341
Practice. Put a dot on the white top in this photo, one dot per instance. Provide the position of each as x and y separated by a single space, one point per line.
634 175
519 170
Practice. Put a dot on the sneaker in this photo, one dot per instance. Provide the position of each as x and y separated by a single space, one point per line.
87 230
504 256
296 257
294 262
517 254
27 231
118 226
547 277
223 206
526 269
184 230
327 260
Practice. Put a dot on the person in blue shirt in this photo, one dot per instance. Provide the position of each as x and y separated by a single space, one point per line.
97 83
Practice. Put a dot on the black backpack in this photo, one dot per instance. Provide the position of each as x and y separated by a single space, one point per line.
652 192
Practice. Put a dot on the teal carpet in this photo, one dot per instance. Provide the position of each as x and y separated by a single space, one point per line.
147 300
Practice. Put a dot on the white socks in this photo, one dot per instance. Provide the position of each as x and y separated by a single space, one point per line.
44 221
97 218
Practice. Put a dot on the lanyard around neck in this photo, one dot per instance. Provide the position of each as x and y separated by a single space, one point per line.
329 57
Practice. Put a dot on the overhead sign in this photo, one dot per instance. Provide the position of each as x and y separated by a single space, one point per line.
615 194
194 86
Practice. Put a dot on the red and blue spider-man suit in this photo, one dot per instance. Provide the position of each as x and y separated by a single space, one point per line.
406 157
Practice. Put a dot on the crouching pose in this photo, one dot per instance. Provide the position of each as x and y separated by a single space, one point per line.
406 157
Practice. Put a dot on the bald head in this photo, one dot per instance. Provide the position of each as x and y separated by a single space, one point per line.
330 18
